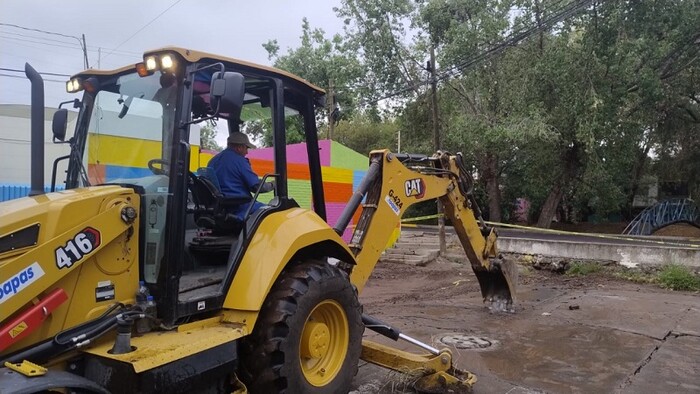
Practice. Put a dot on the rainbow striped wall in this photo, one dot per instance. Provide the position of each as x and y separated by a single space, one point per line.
341 167
10 192
126 157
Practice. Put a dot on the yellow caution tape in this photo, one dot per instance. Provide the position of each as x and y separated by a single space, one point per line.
418 219
547 230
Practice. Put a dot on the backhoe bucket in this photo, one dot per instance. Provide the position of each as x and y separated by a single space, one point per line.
498 283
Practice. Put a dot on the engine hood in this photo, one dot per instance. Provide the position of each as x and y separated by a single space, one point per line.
30 221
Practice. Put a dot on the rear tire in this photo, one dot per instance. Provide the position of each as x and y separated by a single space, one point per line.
308 335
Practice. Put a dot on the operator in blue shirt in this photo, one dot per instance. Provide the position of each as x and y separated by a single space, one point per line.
235 175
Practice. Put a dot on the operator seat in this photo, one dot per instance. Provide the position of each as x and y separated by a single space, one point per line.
211 208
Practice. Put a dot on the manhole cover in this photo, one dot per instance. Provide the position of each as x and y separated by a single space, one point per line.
460 341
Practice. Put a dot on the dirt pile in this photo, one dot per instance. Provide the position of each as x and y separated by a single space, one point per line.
684 230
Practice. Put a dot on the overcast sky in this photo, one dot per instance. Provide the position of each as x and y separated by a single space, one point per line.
232 28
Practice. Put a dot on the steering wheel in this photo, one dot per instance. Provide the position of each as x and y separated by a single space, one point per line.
155 170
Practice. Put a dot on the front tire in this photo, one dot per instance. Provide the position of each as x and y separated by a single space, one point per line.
308 335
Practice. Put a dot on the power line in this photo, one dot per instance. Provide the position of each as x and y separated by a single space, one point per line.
68 45
141 29
566 12
16 70
39 30
513 39
91 48
20 77
48 60
36 37
82 43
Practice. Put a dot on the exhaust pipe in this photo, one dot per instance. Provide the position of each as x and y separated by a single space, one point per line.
37 135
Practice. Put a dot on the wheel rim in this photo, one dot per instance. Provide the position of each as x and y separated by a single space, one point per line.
324 343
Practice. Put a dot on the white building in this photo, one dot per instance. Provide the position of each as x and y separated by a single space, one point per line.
15 147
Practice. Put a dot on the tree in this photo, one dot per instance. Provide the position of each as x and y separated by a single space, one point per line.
484 111
571 116
207 137
320 60
363 134
377 30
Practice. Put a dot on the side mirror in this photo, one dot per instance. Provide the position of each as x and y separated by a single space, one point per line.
60 124
226 93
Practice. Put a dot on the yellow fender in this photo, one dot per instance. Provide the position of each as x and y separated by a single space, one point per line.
280 237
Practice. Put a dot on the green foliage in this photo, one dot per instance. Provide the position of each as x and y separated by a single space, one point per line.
377 30
261 130
414 121
363 134
320 60
207 135
634 275
572 118
678 277
583 268
598 96
424 208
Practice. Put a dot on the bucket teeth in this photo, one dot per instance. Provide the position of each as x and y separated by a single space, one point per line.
498 284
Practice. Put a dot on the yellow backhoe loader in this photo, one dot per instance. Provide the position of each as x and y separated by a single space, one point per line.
138 279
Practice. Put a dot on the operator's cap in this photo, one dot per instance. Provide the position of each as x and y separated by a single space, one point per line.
239 138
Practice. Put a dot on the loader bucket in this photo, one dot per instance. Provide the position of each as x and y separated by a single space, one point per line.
498 282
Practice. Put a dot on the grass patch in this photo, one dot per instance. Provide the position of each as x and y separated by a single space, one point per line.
524 270
678 277
583 269
636 276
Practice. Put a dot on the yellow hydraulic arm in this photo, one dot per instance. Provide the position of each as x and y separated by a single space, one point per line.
392 184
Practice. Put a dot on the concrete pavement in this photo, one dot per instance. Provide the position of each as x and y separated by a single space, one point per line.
581 335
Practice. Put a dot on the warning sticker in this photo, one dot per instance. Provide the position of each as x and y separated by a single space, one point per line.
104 291
18 329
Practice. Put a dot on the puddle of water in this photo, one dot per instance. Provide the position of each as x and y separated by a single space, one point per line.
537 294
559 358
612 297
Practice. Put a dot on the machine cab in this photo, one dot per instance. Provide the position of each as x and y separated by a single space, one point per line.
139 127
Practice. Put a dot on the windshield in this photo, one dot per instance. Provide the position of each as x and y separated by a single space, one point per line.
131 126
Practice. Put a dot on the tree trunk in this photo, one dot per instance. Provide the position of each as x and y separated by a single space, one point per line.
638 170
571 164
549 208
492 187
538 20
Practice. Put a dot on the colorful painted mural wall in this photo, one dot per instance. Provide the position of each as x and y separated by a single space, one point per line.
129 160
120 148
123 156
342 170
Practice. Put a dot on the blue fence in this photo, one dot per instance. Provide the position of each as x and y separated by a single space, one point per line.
10 192
662 214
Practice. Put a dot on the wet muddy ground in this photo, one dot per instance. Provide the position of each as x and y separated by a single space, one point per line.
590 334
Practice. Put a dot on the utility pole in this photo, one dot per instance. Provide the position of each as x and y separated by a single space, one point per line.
398 147
85 54
331 108
436 144
99 57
